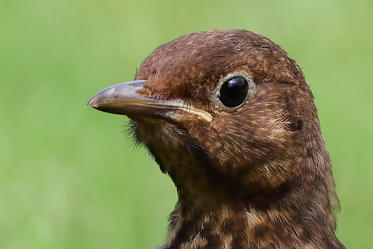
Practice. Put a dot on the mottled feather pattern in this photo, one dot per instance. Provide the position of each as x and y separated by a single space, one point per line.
255 177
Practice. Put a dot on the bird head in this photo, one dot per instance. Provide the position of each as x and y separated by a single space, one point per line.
220 111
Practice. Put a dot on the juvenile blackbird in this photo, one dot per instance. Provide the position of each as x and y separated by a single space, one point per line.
230 118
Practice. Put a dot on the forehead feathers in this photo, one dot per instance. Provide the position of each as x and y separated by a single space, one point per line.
198 61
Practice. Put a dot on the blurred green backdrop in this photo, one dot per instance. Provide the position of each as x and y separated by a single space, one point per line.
71 178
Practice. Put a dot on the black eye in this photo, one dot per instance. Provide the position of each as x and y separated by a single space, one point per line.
234 91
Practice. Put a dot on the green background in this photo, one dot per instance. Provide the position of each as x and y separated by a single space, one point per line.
70 176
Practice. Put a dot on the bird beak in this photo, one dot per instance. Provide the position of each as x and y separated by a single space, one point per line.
125 99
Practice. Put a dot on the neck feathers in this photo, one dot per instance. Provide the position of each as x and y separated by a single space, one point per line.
298 214
219 211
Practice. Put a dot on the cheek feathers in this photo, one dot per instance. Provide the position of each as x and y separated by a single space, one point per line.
259 130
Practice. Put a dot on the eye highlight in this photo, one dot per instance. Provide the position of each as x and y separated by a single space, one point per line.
234 91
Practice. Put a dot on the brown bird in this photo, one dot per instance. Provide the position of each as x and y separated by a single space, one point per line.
229 116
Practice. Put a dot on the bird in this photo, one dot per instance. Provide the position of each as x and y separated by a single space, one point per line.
229 116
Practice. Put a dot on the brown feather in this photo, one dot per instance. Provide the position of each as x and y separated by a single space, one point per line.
257 177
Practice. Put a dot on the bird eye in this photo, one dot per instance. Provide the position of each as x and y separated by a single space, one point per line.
234 91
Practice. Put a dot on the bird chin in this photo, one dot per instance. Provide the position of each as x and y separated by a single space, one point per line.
151 132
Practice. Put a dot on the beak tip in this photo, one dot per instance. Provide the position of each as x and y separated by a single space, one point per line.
92 103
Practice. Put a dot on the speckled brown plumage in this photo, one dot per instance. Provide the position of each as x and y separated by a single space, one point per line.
255 177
